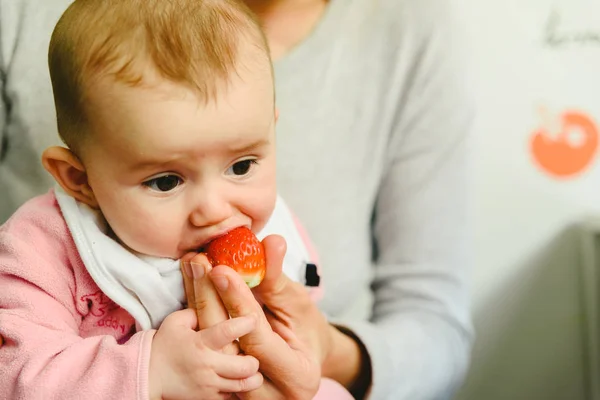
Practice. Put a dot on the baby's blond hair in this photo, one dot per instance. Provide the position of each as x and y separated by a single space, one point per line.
190 42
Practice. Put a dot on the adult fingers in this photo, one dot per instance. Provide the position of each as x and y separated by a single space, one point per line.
206 300
268 347
208 304
275 247
188 279
281 329
236 296
289 308
277 291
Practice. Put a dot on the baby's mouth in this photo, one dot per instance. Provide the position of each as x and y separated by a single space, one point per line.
201 248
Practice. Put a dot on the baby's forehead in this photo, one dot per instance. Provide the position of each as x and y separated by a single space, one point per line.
152 88
175 136
157 110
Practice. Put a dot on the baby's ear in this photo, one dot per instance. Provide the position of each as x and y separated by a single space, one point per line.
70 174
276 114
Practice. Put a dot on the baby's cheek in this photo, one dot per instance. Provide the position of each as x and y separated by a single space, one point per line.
262 210
151 234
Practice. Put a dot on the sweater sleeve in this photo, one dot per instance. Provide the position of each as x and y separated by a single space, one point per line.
43 356
420 335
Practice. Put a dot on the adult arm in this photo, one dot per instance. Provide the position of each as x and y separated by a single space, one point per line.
419 337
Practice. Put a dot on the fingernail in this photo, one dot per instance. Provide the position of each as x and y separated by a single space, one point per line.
198 270
221 282
187 269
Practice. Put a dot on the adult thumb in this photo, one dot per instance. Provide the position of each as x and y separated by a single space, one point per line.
277 290
274 279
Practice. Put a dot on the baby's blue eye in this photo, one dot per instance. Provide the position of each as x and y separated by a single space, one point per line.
241 168
164 183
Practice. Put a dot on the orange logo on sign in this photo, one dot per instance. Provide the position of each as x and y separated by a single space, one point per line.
569 147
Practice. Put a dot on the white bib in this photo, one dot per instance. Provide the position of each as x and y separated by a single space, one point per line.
151 288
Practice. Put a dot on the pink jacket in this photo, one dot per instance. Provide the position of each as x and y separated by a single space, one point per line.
64 339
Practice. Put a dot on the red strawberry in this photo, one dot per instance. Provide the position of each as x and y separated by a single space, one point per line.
241 250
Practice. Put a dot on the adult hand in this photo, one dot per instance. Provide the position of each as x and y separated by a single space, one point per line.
202 295
290 367
289 307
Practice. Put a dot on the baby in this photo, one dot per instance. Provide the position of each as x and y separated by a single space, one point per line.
167 110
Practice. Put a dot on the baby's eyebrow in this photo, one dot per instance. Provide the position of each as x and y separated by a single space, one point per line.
235 148
245 148
149 163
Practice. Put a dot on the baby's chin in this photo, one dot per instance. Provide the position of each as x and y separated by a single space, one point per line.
146 251
175 255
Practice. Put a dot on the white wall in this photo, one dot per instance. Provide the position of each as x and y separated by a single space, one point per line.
526 283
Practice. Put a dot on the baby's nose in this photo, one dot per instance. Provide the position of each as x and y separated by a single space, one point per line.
211 209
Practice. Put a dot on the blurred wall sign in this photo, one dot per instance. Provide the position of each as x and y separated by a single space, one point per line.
559 35
565 144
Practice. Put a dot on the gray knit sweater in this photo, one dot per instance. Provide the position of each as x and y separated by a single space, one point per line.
372 146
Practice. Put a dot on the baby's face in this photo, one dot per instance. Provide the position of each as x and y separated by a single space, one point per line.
170 173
